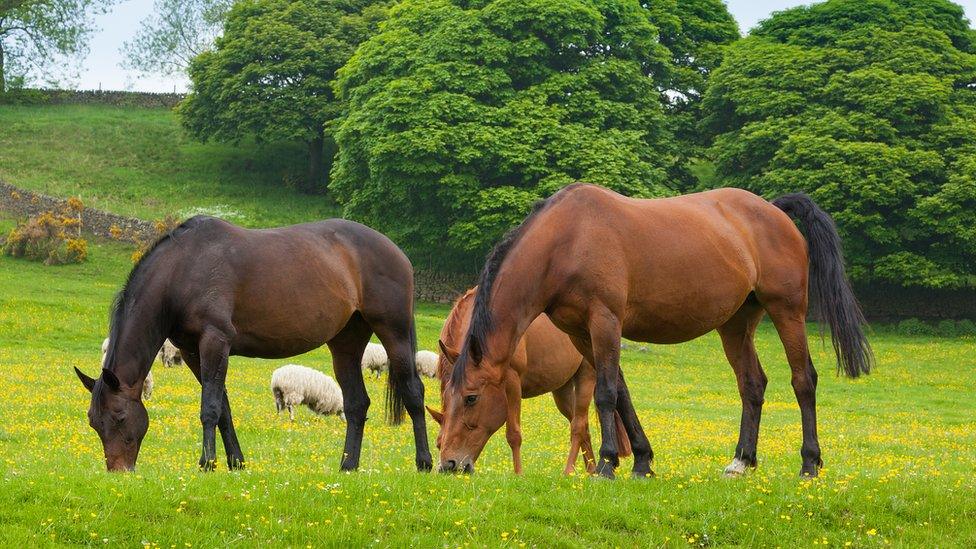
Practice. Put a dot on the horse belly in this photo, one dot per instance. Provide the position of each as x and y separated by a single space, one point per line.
278 320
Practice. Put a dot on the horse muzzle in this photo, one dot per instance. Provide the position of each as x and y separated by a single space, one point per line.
454 466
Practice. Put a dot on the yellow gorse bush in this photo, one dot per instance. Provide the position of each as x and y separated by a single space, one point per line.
54 238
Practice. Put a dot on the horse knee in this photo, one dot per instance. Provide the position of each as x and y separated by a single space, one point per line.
605 399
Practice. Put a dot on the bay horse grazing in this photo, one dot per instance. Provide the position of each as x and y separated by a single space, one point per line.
603 266
544 361
218 290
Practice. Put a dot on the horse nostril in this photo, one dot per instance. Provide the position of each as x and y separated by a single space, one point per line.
468 468
448 466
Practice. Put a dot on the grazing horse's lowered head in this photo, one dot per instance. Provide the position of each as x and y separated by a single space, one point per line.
474 407
118 416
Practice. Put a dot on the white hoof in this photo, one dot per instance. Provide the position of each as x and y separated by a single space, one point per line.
737 468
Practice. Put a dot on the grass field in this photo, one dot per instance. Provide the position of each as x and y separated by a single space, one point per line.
898 446
138 162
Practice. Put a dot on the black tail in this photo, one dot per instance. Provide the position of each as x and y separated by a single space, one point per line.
396 382
832 299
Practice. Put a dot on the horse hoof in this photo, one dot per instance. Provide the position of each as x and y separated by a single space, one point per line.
208 465
642 475
424 466
605 470
809 472
236 464
737 468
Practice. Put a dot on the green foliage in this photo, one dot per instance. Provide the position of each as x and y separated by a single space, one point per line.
173 34
915 327
868 106
36 33
966 327
240 90
462 114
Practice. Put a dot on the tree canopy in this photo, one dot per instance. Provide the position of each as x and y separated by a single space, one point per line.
461 114
36 33
868 106
175 33
270 75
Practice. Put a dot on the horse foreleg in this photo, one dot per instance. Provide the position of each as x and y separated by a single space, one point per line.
232 447
513 422
214 349
228 434
643 454
604 350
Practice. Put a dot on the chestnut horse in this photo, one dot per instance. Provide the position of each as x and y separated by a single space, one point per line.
603 266
545 361
217 290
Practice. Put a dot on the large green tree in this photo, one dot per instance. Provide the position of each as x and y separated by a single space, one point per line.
35 34
270 75
870 107
462 113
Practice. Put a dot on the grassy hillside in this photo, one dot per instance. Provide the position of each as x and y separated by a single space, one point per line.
898 447
138 162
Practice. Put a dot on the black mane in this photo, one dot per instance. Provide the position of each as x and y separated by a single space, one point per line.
118 312
481 319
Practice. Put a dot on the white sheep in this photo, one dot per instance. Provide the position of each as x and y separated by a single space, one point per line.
427 363
169 355
293 385
375 359
147 386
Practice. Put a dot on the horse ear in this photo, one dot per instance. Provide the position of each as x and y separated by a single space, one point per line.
88 382
438 416
110 379
447 353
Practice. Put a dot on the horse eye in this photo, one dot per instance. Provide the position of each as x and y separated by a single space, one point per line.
470 400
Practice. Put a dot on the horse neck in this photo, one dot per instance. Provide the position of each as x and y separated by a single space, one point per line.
140 335
519 296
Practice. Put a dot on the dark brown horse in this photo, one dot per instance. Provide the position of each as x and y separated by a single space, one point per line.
603 266
218 290
544 361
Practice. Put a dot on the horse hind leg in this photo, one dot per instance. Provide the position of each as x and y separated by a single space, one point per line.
347 354
790 321
738 342
405 385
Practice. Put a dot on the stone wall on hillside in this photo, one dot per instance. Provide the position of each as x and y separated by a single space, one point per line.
32 96
28 203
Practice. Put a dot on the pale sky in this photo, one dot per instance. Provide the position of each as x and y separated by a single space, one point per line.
101 67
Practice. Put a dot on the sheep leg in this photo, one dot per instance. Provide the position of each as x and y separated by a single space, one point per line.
347 355
291 412
397 339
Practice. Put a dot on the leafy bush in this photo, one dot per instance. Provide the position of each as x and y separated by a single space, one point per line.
946 328
966 327
54 238
915 327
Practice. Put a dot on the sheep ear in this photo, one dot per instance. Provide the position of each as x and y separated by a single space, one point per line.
110 379
88 382
438 416
447 353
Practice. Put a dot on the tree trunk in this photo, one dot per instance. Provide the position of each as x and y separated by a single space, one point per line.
316 168
3 77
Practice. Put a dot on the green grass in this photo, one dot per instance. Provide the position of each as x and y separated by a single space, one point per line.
138 162
898 447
